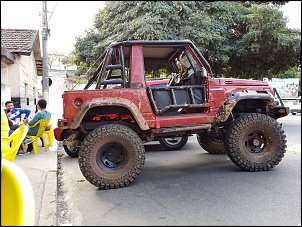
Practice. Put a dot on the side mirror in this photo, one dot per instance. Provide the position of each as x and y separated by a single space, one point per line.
204 72
201 76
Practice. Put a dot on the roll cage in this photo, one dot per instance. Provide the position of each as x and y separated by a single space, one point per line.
113 68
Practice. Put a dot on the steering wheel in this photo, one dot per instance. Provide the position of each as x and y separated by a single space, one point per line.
173 80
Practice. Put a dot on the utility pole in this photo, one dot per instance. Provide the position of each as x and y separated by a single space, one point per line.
45 33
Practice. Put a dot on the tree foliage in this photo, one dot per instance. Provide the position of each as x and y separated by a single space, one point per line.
55 57
68 60
239 39
57 60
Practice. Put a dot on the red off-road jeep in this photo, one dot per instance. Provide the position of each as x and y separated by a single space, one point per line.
107 123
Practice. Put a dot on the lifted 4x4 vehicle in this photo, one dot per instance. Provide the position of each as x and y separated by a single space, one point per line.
107 123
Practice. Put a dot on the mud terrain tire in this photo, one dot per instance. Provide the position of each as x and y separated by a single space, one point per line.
210 144
111 156
174 143
255 142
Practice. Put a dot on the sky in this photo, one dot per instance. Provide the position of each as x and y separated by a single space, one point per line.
69 19
292 10
66 20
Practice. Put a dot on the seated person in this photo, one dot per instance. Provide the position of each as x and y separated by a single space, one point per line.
41 114
15 113
12 126
46 129
6 132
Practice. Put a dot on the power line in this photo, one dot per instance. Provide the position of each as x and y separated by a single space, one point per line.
53 11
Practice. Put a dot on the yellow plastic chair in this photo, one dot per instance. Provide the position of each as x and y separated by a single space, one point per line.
16 139
50 136
17 197
40 134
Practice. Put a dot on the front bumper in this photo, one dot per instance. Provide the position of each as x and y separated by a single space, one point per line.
281 111
57 133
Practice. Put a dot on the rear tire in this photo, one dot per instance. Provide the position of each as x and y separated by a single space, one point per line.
211 144
111 156
255 142
173 143
72 151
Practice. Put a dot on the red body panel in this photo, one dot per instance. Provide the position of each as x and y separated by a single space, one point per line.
218 90
57 133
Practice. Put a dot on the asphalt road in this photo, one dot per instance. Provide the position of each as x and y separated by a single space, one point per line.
188 187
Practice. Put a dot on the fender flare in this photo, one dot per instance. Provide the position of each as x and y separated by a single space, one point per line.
91 103
232 99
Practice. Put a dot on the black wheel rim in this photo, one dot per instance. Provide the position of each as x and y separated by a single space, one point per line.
111 155
255 142
72 149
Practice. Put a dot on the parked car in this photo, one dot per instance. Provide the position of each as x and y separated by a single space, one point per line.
296 106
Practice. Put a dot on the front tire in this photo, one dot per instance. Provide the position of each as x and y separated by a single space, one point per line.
111 156
173 143
255 142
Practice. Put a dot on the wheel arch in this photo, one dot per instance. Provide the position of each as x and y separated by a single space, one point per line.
239 99
105 103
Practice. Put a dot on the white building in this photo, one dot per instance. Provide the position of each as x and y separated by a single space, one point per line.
21 65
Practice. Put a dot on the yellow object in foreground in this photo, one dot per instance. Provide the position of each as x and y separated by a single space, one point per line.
50 136
16 139
17 197
40 134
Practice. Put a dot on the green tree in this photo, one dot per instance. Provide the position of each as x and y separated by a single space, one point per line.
239 39
55 58
68 60
59 59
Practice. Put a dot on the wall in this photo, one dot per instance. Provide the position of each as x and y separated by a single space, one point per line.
23 81
5 88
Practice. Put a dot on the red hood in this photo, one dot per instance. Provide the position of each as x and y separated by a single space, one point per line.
240 82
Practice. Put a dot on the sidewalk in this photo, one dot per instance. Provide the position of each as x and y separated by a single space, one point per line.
41 170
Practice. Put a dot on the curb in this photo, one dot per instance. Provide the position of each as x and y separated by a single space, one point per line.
48 210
